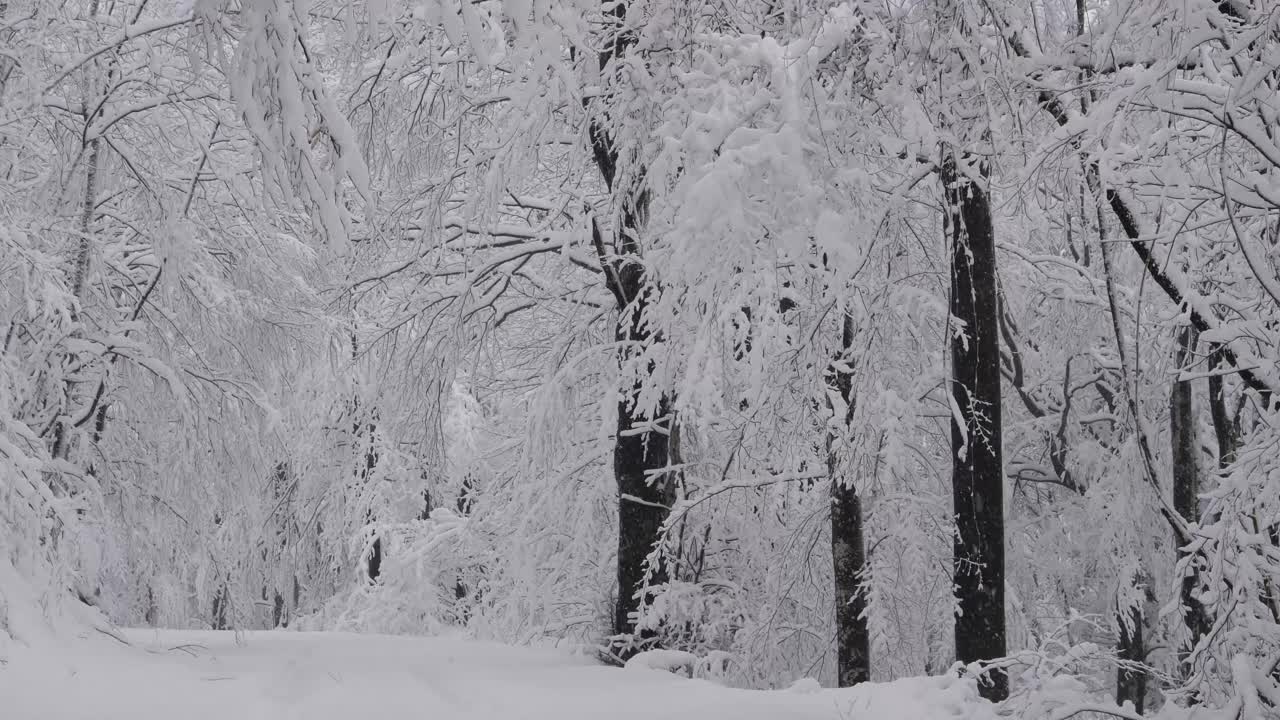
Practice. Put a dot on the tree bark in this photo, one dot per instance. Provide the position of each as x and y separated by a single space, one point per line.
373 565
219 610
1186 489
645 493
79 276
1131 682
977 469
643 507
1225 428
848 548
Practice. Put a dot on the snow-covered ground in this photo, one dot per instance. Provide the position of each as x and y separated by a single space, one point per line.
170 675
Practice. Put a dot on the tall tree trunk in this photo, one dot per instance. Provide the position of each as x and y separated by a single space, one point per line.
1186 488
977 472
644 493
1182 435
1131 682
373 565
79 277
848 550
643 507
80 264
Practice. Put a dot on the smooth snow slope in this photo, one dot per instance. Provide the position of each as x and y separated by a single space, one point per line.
174 675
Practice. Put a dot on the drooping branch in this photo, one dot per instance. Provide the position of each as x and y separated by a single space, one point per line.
1014 373
1180 292
1169 280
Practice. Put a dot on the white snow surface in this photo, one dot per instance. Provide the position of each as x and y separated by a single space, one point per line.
336 676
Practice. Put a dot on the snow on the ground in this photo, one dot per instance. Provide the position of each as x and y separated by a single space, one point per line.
334 676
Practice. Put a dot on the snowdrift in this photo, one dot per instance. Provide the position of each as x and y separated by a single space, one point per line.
335 676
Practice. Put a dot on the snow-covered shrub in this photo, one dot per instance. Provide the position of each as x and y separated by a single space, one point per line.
419 590
700 617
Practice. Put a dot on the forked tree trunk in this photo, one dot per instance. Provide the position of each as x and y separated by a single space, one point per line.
977 471
848 549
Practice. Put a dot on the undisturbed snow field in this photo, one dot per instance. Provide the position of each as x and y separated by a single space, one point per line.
175 675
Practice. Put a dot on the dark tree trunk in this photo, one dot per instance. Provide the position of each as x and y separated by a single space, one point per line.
219 609
848 555
375 560
1131 682
1186 490
365 471
848 550
644 498
152 613
1225 428
1182 433
278 618
462 592
286 532
644 495
977 472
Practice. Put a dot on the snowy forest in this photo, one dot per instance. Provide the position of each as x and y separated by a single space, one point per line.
767 342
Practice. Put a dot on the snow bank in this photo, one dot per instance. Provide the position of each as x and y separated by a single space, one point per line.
25 618
20 617
49 622
666 660
336 676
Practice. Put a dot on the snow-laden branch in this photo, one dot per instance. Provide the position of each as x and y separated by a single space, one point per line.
129 33
684 506
1258 374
